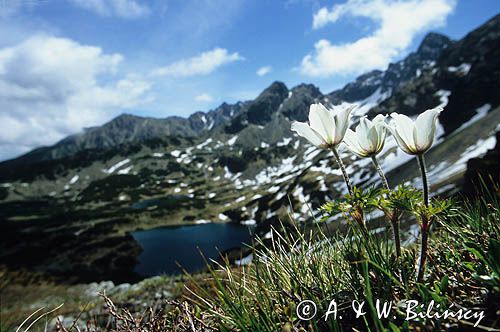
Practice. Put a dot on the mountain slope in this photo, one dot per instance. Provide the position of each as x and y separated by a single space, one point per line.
396 74
465 78
128 128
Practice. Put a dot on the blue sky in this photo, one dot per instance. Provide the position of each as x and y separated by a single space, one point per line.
70 64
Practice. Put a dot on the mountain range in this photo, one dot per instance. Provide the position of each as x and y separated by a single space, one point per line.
239 162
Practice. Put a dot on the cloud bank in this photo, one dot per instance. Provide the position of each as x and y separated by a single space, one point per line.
51 87
398 23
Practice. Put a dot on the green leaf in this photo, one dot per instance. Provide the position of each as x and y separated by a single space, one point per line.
436 297
476 250
444 284
393 327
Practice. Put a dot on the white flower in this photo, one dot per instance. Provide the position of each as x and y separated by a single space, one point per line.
415 137
326 128
369 137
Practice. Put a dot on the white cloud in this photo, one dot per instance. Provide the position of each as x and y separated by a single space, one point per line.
118 8
202 64
204 97
52 87
264 70
324 16
399 22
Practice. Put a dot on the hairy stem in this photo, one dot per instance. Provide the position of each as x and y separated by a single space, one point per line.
421 164
423 251
342 168
380 172
397 240
394 218
425 221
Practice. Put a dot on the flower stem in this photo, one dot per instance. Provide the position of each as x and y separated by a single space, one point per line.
421 164
394 218
423 251
425 222
380 172
395 229
342 168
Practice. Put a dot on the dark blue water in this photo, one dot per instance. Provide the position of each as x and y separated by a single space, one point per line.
162 247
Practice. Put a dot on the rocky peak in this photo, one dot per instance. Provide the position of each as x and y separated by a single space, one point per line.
361 88
464 78
306 89
198 121
396 73
260 111
124 121
296 105
477 46
412 66
276 88
224 109
432 45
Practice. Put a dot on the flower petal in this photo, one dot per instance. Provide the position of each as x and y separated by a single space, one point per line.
365 135
401 143
321 120
404 127
308 133
379 122
381 133
379 119
425 128
342 120
373 137
351 141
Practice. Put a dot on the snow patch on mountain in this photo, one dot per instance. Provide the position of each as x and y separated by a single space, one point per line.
284 142
202 145
232 140
117 166
74 179
176 153
125 170
443 97
463 69
368 103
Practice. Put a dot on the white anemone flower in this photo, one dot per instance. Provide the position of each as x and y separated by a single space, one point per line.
415 137
368 138
326 128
